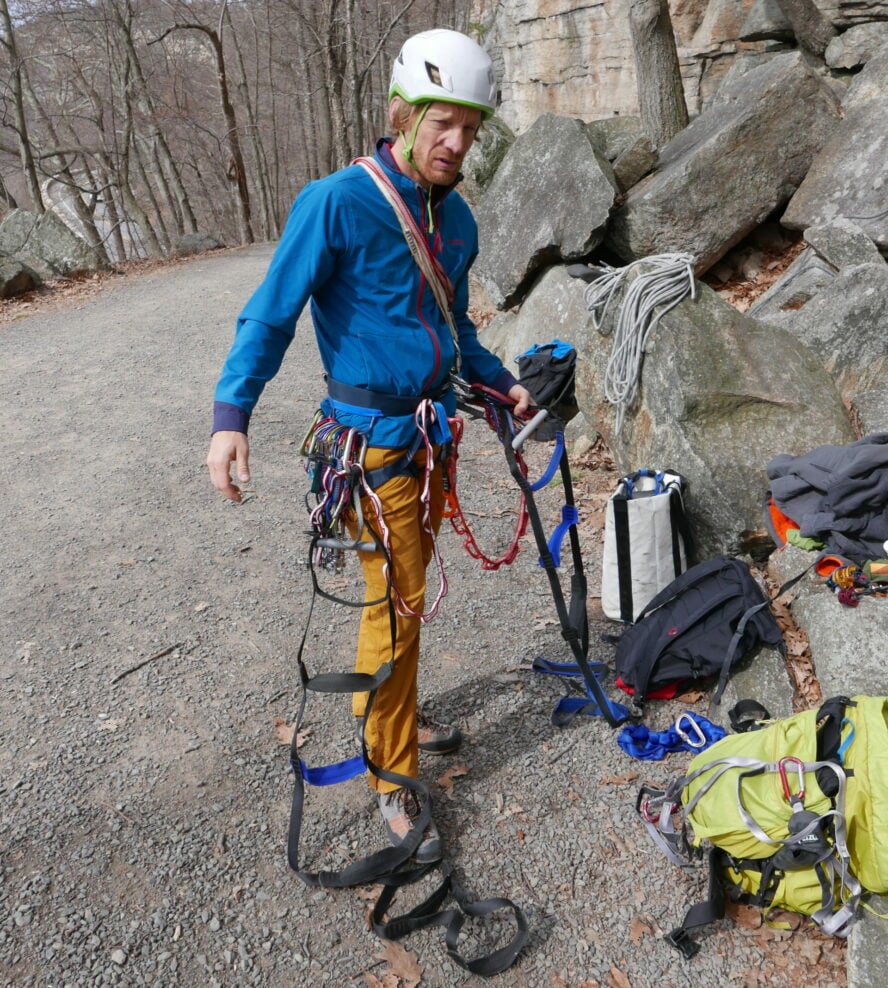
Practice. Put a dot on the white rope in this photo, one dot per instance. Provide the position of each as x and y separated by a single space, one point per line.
660 281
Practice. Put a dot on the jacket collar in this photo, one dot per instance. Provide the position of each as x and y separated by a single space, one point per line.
403 182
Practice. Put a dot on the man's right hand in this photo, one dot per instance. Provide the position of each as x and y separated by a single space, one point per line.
227 448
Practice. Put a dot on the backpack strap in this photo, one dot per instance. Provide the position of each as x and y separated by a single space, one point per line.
741 628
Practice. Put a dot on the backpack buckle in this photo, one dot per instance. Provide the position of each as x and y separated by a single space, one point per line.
681 940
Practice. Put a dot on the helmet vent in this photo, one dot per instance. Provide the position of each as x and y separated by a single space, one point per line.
434 73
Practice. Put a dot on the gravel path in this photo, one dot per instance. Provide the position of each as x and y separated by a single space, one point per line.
145 809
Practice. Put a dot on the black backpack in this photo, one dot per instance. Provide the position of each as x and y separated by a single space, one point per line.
699 626
548 372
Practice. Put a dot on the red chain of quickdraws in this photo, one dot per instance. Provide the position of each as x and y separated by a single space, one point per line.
453 511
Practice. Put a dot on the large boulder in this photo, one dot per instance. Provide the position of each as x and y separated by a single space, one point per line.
43 242
843 325
196 243
856 46
16 278
720 395
847 177
549 201
484 157
757 141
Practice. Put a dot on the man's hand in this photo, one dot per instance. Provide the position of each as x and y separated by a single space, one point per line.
521 396
225 448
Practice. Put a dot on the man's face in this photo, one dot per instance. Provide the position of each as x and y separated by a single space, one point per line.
445 135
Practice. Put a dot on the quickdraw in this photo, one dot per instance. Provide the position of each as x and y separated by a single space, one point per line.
334 459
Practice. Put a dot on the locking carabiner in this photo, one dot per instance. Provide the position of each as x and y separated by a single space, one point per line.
790 796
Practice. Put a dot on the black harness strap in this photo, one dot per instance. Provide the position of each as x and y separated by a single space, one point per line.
389 866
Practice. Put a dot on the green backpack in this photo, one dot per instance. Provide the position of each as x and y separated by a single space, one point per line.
795 816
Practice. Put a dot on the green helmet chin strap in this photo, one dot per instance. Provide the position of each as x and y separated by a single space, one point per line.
407 150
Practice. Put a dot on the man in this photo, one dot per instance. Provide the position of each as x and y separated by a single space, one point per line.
383 340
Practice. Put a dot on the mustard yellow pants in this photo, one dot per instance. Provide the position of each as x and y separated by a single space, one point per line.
390 731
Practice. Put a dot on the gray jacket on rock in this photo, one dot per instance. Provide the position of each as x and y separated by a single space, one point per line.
838 494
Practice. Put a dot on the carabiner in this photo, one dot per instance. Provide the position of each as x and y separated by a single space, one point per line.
699 738
311 438
790 796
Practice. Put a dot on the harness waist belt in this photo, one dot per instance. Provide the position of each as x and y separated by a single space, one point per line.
384 403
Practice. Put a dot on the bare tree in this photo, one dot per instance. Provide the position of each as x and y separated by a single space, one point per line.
237 173
26 153
661 99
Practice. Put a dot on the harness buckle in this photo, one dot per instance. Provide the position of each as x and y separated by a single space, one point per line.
696 738
681 940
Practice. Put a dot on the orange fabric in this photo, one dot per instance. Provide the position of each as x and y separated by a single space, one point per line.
390 731
780 522
827 565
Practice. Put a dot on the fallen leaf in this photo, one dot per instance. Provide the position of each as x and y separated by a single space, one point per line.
744 915
284 733
618 978
369 893
403 963
454 772
638 928
618 780
692 696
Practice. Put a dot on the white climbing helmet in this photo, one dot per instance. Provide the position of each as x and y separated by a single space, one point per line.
446 66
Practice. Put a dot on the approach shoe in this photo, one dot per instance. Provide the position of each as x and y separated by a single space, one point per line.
436 738
399 809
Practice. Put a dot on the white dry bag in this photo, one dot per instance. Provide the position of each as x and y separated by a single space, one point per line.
646 541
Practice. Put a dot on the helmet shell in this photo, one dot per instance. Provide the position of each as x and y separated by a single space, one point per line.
445 66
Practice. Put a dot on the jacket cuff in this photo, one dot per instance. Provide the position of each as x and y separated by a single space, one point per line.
504 382
229 418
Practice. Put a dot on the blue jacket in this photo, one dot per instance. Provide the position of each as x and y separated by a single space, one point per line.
376 320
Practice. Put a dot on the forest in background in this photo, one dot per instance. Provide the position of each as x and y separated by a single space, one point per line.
144 120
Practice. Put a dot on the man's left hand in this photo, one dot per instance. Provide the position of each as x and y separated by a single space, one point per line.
521 396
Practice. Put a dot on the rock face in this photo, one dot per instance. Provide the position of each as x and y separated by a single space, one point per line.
849 177
758 139
844 325
573 191
557 56
46 245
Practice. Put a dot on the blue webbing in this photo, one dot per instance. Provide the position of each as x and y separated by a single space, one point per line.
653 746
329 775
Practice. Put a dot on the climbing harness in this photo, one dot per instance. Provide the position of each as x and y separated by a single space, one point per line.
335 461
651 287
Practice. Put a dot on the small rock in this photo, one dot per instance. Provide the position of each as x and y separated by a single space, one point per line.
118 957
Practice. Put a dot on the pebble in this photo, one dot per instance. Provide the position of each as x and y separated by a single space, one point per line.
118 957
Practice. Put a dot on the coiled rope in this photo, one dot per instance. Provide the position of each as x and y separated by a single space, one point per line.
652 286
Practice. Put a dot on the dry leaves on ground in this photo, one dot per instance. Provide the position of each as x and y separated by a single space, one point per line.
618 780
454 772
284 733
404 967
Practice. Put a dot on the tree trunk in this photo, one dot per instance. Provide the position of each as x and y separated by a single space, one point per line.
660 94
26 152
168 169
812 30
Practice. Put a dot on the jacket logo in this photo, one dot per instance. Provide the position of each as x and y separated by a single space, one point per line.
672 632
